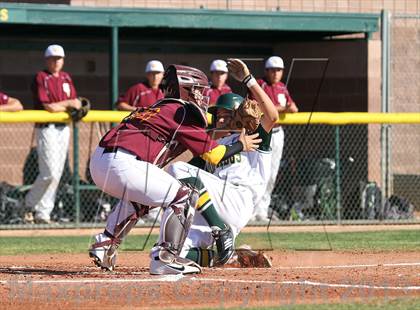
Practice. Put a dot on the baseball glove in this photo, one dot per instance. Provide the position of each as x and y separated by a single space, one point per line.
77 114
246 258
247 115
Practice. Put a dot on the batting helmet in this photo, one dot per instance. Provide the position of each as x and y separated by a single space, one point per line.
228 101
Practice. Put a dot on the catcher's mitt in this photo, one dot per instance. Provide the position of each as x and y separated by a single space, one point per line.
247 115
77 114
246 258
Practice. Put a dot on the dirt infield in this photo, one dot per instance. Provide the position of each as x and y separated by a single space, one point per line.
71 281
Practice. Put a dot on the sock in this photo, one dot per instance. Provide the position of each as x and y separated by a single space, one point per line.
205 205
203 257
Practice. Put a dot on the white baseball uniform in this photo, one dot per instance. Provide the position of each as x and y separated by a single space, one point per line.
52 142
236 185
52 148
280 96
277 143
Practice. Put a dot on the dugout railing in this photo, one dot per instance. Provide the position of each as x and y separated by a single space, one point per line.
330 172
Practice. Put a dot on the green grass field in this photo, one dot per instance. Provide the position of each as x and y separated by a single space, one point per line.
404 240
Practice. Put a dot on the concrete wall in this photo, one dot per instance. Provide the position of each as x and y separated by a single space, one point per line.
405 93
356 6
374 98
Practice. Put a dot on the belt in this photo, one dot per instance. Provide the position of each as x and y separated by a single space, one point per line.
110 149
114 149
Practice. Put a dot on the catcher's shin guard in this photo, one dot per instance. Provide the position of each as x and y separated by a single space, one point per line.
174 228
124 226
104 250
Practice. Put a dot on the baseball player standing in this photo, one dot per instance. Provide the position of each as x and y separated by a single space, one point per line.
9 104
236 184
54 91
218 77
127 165
144 94
279 95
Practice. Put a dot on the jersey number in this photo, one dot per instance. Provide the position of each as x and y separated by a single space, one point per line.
143 114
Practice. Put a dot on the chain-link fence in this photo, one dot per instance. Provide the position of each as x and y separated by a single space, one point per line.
20 189
333 174
327 174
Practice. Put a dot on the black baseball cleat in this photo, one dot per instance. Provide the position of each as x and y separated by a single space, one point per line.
225 242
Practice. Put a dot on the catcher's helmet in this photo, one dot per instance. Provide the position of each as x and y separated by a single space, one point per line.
187 83
178 81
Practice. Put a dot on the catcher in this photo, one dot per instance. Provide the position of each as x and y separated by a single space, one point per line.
236 184
127 165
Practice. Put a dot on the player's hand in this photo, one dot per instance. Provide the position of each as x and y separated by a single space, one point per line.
76 104
238 69
249 142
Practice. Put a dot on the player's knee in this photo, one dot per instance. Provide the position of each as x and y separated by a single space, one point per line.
178 169
194 182
186 197
182 172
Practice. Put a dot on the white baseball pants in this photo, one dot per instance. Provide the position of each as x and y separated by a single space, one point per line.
52 149
123 176
233 203
277 143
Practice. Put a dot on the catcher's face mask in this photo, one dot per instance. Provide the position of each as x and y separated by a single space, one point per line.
198 97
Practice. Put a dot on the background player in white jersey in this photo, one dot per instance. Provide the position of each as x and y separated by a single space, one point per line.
280 96
237 183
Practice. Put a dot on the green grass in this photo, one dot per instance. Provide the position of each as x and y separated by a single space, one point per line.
406 240
376 240
383 304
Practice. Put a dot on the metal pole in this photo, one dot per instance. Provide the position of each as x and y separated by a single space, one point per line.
389 188
114 65
76 180
385 103
337 174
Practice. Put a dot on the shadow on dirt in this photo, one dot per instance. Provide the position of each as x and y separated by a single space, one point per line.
37 271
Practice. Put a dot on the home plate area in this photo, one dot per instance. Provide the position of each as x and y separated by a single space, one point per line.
296 278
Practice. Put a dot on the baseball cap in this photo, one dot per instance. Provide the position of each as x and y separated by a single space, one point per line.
218 65
274 62
154 66
54 50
